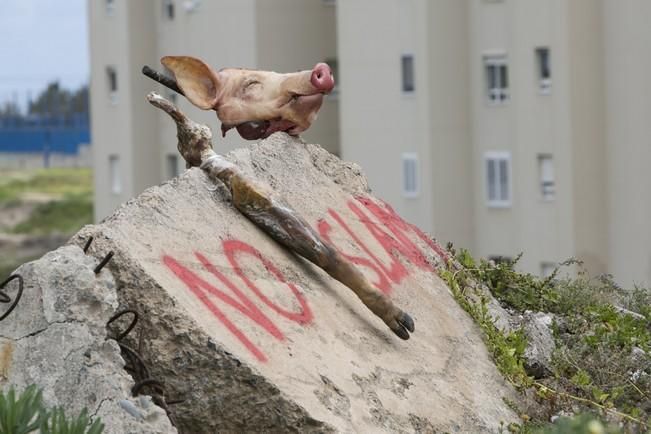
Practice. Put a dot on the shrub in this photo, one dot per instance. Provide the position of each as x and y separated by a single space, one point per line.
27 414
602 359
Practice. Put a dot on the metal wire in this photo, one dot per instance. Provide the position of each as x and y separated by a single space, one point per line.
88 243
136 367
103 263
4 297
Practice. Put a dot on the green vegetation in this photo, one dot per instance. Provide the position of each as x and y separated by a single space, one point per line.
66 216
55 183
65 196
27 414
581 424
55 100
46 201
601 364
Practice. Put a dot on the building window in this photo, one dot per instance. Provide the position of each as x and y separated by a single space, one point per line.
329 2
546 173
547 269
408 82
191 6
497 79
544 71
115 174
168 9
110 6
112 80
498 178
410 184
172 166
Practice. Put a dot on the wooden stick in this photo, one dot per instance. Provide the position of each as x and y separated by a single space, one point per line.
162 79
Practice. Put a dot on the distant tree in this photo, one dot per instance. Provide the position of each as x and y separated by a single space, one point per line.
10 109
79 100
55 100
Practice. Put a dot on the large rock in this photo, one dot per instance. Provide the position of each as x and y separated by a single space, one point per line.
540 343
56 338
253 338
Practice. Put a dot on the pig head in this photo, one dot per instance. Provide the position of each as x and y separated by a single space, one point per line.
256 103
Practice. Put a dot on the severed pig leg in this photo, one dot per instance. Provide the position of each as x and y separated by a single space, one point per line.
267 210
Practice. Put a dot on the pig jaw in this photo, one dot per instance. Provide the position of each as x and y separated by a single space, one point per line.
293 118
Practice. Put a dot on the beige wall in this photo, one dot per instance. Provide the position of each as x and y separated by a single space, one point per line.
142 120
378 121
628 137
449 40
122 125
453 196
496 229
588 133
294 35
110 121
529 124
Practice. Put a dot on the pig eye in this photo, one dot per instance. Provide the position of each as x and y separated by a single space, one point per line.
250 84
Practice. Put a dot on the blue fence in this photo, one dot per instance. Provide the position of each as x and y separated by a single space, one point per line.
44 134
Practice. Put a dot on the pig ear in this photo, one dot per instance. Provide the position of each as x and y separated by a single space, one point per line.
196 79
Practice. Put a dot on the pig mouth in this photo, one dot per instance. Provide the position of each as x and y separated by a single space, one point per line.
261 129
255 130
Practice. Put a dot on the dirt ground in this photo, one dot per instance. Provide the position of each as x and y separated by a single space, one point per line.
21 194
16 249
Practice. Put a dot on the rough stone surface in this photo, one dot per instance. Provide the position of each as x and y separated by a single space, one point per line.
56 338
540 343
249 336
478 293
254 338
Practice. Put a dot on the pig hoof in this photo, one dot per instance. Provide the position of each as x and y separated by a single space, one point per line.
401 332
407 322
403 325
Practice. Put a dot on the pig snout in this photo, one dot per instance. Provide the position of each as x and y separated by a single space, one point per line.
322 78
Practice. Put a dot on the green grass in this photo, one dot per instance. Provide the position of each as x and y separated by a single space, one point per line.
70 195
65 204
53 182
64 216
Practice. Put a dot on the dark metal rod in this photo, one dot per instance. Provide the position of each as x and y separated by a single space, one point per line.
135 390
162 79
133 323
18 294
105 261
88 243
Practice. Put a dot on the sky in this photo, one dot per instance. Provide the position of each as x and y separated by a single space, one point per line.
42 41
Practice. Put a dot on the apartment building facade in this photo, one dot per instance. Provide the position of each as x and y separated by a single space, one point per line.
504 126
511 125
